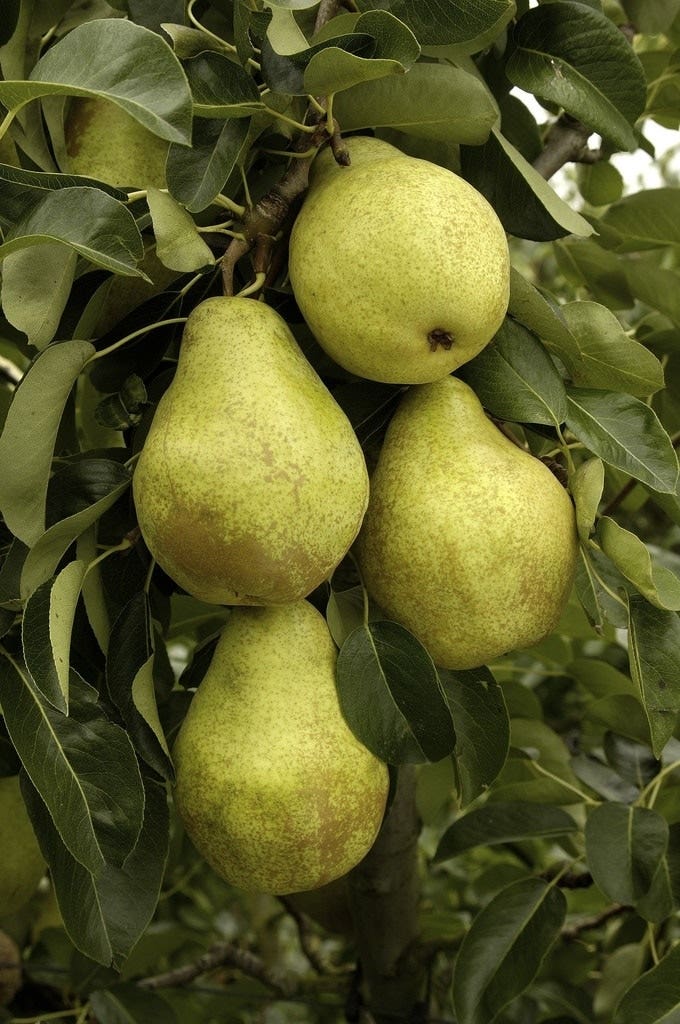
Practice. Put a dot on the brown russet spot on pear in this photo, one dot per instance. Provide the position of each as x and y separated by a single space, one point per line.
21 863
251 485
399 266
274 789
469 541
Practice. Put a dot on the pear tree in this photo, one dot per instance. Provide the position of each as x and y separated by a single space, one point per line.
339 538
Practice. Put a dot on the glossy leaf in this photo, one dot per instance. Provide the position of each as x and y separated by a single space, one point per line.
515 378
633 559
655 997
624 846
575 57
432 101
626 433
46 633
391 696
503 823
83 767
609 358
654 650
80 64
480 719
502 953
27 441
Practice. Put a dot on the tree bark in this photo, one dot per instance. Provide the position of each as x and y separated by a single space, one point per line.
384 891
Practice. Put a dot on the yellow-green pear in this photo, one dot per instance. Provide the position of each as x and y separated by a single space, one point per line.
10 969
21 863
274 789
399 266
251 485
469 541
103 141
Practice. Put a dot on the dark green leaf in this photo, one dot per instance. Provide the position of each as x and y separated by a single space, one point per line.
626 433
82 765
634 560
603 780
531 308
503 823
655 997
36 284
515 378
480 719
395 51
654 649
10 17
526 204
129 1004
27 441
198 173
436 22
502 953
585 263
624 846
633 761
220 87
576 57
645 220
391 696
80 64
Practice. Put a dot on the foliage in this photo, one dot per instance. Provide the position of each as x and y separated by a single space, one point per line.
548 783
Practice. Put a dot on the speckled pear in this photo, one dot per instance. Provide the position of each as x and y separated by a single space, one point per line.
274 790
469 541
103 141
399 266
22 865
251 485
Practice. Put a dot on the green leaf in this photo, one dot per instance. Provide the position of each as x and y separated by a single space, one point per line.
36 283
609 358
575 57
88 220
654 650
196 174
130 683
526 204
633 559
396 50
46 633
436 22
345 612
645 220
221 88
83 767
27 441
431 101
503 823
531 308
655 997
655 286
106 913
20 190
625 433
624 846
127 1003
178 244
502 952
515 378
585 263
586 486
391 697
621 965
80 64
600 183
480 719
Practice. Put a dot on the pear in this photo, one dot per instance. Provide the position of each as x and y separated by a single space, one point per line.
399 266
10 968
251 485
275 791
469 541
21 863
103 141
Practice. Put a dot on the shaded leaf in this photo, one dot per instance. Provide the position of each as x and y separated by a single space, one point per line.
391 696
655 997
196 174
27 441
503 950
626 433
436 22
645 220
633 559
36 283
178 243
503 823
654 650
127 1003
480 719
531 308
624 846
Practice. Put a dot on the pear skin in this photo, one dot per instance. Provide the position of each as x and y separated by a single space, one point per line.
399 266
103 141
274 790
469 541
22 864
251 485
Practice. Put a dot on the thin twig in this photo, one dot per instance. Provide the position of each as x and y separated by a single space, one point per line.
221 955
309 941
596 921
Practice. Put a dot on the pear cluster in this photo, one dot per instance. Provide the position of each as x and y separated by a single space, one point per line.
251 487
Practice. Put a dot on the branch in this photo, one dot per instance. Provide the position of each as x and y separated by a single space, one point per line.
588 923
309 940
566 142
221 955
